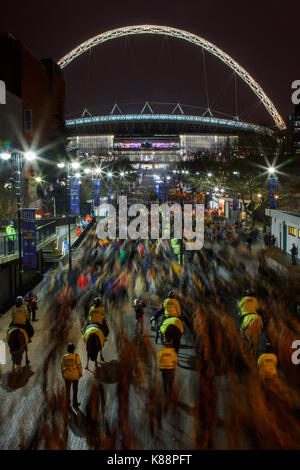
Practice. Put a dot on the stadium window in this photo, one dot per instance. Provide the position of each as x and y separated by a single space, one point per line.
292 231
298 233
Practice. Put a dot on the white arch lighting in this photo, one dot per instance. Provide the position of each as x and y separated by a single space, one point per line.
186 36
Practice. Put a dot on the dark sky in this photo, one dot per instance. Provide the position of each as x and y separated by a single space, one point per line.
263 36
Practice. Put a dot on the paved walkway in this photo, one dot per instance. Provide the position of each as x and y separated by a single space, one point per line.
22 400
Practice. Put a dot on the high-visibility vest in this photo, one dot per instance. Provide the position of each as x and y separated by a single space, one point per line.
167 358
96 315
71 366
267 365
20 315
10 232
171 308
171 321
93 330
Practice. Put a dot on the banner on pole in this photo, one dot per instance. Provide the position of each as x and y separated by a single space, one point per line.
74 196
29 238
235 202
96 192
109 194
273 192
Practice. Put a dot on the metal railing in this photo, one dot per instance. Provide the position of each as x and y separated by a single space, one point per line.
9 243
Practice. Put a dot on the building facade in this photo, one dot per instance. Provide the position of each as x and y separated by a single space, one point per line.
34 87
286 229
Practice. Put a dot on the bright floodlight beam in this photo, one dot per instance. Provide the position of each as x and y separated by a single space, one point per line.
271 170
75 165
30 156
5 156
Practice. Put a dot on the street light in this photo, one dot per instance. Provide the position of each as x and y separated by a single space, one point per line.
30 156
5 156
75 165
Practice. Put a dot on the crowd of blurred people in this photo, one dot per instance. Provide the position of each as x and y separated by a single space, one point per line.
259 410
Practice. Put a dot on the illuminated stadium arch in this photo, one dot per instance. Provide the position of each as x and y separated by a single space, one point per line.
186 36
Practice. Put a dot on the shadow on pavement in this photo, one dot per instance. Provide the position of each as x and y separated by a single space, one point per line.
109 372
78 423
190 362
11 382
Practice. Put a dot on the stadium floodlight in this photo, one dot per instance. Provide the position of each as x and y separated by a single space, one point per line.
61 165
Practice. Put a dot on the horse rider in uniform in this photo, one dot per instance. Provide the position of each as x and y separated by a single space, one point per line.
96 316
20 318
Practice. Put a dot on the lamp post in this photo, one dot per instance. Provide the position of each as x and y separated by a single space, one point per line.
182 222
75 166
18 160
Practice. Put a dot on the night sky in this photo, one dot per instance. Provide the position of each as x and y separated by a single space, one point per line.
263 36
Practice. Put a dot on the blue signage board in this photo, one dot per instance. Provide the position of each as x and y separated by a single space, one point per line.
96 190
109 194
29 238
235 202
74 196
273 192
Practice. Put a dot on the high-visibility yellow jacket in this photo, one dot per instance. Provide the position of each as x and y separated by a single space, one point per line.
249 305
175 243
98 332
267 365
96 315
20 315
172 308
167 358
172 321
71 367
10 232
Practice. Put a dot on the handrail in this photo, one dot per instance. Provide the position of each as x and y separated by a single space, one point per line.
9 245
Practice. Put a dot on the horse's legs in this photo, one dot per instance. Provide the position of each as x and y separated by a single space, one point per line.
13 368
101 355
26 352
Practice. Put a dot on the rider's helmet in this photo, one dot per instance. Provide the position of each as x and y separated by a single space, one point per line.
71 348
136 302
97 301
11 222
171 294
19 301
269 349
251 292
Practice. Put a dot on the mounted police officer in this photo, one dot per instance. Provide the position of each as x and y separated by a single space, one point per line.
96 316
20 318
